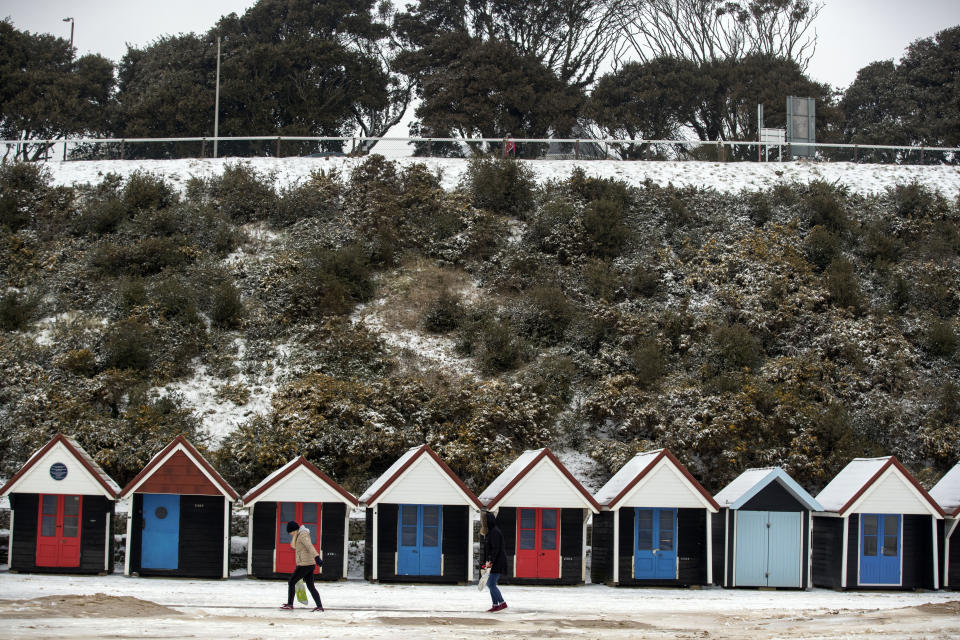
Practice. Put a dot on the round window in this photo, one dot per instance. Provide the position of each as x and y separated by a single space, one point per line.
161 513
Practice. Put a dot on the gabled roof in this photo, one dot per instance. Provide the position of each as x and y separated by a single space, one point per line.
947 492
493 495
251 496
403 463
855 480
110 488
753 481
637 468
180 444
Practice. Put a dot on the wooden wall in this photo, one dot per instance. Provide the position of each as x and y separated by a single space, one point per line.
264 516
827 552
571 547
454 541
201 538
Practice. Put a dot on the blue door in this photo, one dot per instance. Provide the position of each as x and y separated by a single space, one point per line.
160 541
785 549
751 549
418 540
655 544
879 548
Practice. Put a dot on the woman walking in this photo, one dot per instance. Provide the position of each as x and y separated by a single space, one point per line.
497 561
307 557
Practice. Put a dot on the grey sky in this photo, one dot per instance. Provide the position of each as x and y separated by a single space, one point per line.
852 33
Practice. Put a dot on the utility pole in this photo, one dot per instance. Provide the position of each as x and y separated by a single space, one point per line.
216 105
70 20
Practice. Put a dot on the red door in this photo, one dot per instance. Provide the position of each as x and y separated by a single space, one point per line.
58 531
538 543
306 513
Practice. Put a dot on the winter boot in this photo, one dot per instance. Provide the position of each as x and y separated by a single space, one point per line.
319 608
287 606
501 606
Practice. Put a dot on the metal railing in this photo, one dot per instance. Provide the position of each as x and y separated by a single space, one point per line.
530 148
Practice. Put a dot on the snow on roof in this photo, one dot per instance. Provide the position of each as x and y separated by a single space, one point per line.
850 481
633 468
946 493
752 481
509 475
388 475
93 466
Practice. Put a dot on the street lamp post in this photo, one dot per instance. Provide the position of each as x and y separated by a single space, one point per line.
216 104
70 20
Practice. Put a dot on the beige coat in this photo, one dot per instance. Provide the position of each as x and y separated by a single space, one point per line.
306 552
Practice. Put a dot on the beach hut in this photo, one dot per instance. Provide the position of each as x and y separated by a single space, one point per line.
542 511
946 493
419 517
179 516
62 509
297 491
655 525
765 529
878 529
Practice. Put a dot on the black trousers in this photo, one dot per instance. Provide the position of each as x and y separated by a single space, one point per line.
305 574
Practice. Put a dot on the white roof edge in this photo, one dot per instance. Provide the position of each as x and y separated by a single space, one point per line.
179 447
686 481
97 475
776 474
581 492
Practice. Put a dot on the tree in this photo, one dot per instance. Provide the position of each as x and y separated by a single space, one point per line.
717 100
914 103
489 90
707 31
47 94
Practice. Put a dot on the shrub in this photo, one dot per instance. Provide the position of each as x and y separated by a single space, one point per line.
101 216
605 228
736 348
79 361
913 200
821 247
145 191
147 256
644 281
15 311
226 306
175 299
331 281
497 346
601 278
647 362
132 292
843 284
129 345
318 197
589 189
444 313
23 186
881 245
824 203
548 316
501 185
243 194
759 207
941 339
552 377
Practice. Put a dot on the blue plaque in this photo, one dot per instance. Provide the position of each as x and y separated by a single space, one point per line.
58 471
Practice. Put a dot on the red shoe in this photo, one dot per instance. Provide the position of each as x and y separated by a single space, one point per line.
320 609
501 606
494 609
287 606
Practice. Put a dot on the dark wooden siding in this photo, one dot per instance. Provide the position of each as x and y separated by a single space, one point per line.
507 521
264 541
601 564
773 497
368 544
954 559
917 549
180 475
135 525
691 550
386 542
853 549
719 552
827 552
24 507
456 529
332 515
94 541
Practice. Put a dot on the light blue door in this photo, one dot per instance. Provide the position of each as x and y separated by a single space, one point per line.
879 548
655 544
751 548
419 540
784 549
160 542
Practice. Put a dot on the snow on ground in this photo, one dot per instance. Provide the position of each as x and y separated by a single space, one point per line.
91 606
725 177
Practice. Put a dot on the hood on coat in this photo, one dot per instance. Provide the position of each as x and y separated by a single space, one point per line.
491 520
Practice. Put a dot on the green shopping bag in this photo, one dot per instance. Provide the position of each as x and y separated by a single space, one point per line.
301 592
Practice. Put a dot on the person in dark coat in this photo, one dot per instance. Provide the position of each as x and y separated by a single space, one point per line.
307 557
496 555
